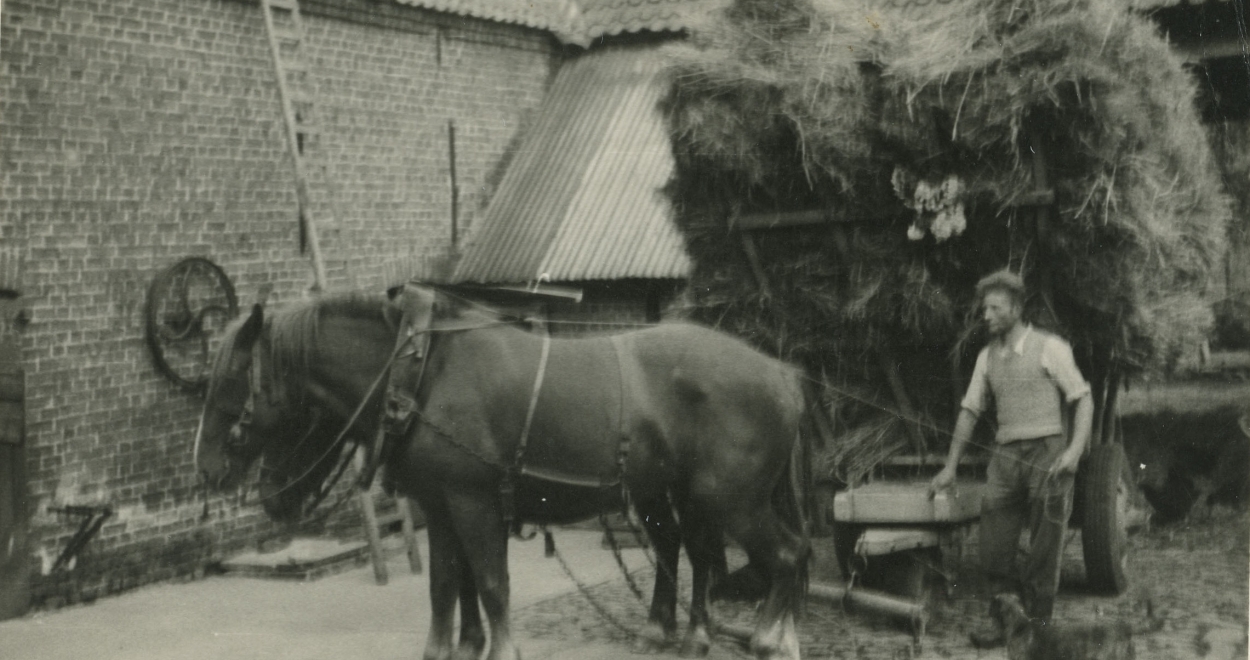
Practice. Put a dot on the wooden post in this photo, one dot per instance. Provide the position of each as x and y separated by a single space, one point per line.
872 601
410 534
372 533
1041 185
757 268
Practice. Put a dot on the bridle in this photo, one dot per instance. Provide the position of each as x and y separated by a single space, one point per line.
239 437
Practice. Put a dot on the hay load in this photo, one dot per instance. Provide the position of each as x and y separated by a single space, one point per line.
941 140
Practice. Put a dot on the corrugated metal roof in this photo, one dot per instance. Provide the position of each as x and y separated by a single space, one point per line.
608 17
558 16
583 197
581 21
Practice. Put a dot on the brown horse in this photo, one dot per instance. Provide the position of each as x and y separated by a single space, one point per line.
676 413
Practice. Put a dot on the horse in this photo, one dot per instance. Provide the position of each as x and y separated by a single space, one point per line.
515 424
299 449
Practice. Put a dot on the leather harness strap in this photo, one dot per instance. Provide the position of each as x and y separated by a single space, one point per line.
507 486
622 452
400 403
416 329
533 405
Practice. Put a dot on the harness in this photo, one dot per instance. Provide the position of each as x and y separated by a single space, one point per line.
402 408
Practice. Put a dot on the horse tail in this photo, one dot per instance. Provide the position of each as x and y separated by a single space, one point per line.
796 509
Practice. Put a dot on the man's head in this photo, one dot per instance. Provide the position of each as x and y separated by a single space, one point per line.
1002 301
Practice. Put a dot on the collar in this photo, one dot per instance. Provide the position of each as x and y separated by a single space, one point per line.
1018 347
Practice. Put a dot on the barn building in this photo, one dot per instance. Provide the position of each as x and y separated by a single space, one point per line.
477 141
136 133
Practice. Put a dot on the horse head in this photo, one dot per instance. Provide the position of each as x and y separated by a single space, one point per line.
251 413
223 445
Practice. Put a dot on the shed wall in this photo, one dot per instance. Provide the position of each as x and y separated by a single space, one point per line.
136 132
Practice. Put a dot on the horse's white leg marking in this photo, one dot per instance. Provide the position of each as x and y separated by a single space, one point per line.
789 649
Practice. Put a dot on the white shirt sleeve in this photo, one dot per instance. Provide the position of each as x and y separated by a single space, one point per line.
1059 364
976 400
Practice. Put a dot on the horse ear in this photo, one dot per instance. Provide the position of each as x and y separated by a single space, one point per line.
251 328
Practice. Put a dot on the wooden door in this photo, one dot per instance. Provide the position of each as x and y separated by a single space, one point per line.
14 502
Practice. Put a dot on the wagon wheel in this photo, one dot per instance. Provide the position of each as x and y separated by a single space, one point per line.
187 306
1106 495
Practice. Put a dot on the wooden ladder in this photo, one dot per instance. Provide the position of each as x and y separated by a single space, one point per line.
284 27
375 522
296 91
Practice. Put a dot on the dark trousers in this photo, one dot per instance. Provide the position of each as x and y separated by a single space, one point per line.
1017 491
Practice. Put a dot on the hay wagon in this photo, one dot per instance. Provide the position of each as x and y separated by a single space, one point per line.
842 184
893 539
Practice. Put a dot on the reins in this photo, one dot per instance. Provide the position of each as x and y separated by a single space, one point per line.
339 439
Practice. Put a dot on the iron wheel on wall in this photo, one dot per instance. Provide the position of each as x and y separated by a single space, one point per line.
188 304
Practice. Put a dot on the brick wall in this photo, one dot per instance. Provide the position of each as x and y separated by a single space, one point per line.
137 132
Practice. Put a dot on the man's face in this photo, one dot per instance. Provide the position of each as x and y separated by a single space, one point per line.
1000 311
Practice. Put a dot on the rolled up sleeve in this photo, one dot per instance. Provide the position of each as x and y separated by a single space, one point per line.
1059 364
976 399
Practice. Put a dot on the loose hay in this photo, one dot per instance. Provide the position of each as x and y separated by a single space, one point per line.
923 120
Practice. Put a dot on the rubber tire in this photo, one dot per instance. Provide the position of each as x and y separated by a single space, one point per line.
1104 539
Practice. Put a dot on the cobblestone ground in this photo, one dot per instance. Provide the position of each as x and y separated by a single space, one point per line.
1196 576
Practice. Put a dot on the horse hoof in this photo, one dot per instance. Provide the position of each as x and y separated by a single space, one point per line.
646 646
779 642
653 639
467 652
695 648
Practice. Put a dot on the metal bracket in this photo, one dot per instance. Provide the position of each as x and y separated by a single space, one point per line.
93 520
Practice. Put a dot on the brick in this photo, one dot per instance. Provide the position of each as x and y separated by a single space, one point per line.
138 132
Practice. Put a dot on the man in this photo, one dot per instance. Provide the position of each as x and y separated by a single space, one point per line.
1032 379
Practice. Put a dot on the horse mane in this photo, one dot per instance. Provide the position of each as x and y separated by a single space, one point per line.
292 332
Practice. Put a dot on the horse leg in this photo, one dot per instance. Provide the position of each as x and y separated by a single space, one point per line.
780 552
447 564
661 527
484 537
703 545
472 634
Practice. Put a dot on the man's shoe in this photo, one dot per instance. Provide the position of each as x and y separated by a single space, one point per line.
988 638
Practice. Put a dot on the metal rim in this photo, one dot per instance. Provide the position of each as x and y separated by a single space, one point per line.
176 320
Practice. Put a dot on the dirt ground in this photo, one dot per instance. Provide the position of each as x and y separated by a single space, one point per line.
1196 575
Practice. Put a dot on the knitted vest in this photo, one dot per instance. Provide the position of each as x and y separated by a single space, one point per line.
1029 403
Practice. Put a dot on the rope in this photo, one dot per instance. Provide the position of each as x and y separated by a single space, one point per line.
585 591
620 561
637 591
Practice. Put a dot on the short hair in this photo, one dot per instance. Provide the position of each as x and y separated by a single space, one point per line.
1002 280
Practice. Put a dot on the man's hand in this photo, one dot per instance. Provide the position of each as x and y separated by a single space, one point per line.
942 480
1065 464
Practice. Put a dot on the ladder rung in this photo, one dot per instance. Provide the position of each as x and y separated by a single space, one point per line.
389 518
288 36
291 65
